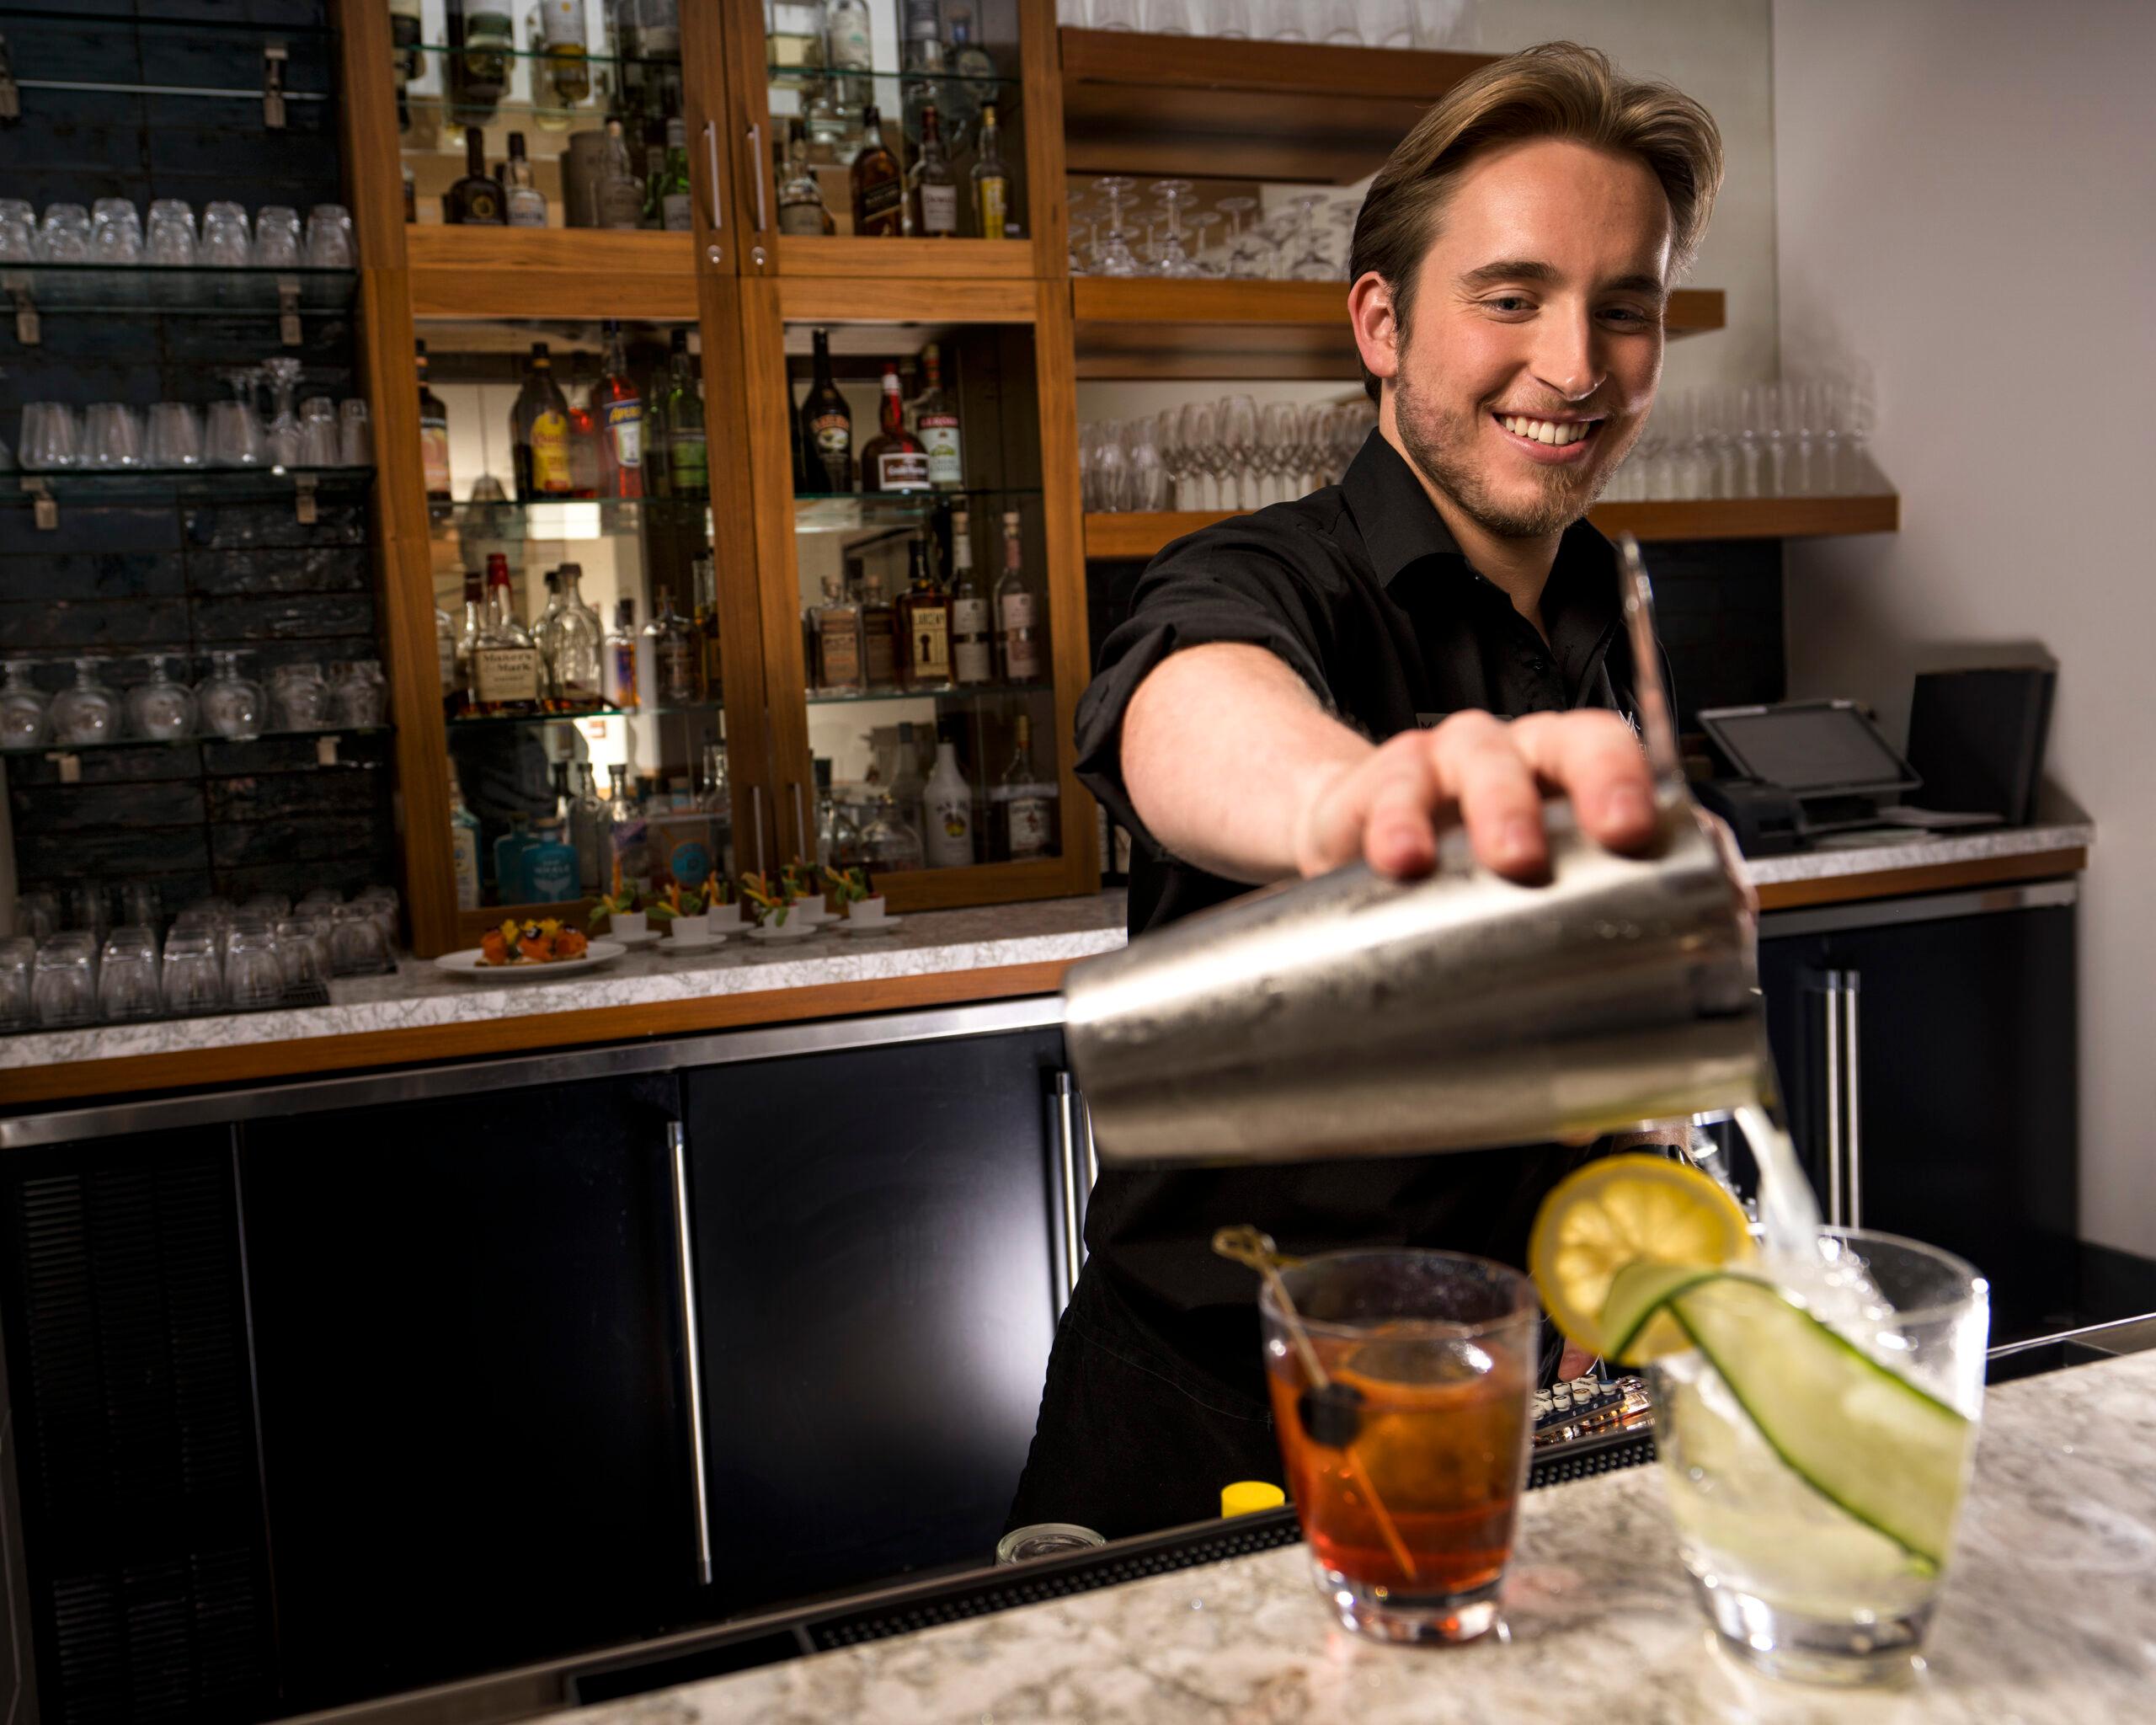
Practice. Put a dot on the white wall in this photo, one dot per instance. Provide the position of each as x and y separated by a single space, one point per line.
1966 190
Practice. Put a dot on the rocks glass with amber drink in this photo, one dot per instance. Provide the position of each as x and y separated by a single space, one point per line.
1401 1388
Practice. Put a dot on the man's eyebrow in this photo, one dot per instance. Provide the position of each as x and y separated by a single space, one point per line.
1532 269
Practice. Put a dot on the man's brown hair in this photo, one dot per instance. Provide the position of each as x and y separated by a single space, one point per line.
1555 90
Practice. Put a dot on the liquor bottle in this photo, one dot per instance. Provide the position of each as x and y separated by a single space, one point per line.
703 574
838 840
506 675
800 198
585 462
716 800
935 422
550 865
619 410
463 845
651 212
481 40
464 697
878 187
923 73
935 189
624 691
509 849
676 208
991 181
909 790
405 35
569 64
445 660
879 648
973 80
433 440
794 39
969 59
527 204
681 413
671 640
542 636
1024 803
895 459
973 661
923 625
539 431
476 198
947 805
849 39
627 844
826 427
578 644
1016 630
837 665
587 827
621 192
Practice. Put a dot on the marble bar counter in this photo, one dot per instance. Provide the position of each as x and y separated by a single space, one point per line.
2049 1618
937 957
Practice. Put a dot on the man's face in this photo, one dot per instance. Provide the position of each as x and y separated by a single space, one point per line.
1534 334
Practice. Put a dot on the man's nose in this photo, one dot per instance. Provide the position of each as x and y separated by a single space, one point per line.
1564 353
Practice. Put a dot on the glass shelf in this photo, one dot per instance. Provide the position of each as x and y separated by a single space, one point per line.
202 485
448 52
117 743
556 521
855 511
184 291
788 78
509 722
969 692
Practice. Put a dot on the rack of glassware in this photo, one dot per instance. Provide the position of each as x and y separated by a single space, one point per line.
225 707
1304 236
117 961
1808 435
1229 454
1364 24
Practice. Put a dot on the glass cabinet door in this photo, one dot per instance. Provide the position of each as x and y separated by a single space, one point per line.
918 701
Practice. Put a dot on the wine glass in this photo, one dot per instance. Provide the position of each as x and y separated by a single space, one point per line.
160 709
22 707
1233 447
87 713
1197 430
286 442
299 698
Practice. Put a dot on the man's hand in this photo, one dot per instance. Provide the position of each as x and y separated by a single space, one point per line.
1492 774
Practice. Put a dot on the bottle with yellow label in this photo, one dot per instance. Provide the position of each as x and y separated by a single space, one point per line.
991 181
539 431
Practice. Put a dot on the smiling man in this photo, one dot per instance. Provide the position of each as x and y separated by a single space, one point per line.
1436 637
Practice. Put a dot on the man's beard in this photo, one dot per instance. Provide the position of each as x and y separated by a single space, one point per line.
1438 441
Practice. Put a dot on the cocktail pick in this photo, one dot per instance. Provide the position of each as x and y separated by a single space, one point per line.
1332 1414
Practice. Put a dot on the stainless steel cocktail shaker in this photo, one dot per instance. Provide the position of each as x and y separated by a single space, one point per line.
1352 1016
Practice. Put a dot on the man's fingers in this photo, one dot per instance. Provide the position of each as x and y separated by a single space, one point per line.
1480 765
1400 839
1593 758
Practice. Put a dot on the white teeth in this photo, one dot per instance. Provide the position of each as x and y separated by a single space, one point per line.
1549 431
1546 432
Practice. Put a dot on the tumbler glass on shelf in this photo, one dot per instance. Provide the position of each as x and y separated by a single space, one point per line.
50 437
112 436
318 445
235 431
160 709
1401 1384
17 966
64 236
357 947
358 695
231 706
22 708
253 976
304 953
115 231
173 240
228 238
173 437
329 244
380 902
127 976
87 713
194 970
277 237
354 434
18 232
63 985
299 698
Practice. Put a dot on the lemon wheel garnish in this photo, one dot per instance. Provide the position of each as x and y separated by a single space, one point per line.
1623 1210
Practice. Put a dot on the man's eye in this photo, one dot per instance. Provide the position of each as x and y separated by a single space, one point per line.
1626 314
1509 302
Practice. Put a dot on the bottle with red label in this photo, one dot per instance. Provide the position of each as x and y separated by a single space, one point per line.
618 407
895 460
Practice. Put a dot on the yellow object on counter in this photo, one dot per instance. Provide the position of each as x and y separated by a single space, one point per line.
1246 1497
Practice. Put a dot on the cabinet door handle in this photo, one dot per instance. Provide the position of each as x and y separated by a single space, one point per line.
804 849
757 808
756 171
686 1268
1853 1130
1064 1117
711 157
1834 1000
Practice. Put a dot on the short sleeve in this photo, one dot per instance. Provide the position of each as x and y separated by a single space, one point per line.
1226 583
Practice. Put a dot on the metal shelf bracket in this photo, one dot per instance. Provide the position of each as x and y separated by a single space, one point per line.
274 55
29 328
45 509
288 311
303 486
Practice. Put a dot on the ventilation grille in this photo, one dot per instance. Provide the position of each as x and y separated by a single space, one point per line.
142 1513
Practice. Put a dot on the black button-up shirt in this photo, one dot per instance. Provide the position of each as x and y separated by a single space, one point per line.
1360 587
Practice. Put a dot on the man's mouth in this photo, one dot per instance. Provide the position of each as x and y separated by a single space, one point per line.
1550 442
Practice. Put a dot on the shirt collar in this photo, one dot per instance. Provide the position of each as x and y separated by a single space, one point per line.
1399 524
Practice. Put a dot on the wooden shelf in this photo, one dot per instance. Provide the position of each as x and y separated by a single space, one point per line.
863 260
550 272
1299 112
1134 535
1148 327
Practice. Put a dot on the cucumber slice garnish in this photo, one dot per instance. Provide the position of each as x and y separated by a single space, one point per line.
1883 1450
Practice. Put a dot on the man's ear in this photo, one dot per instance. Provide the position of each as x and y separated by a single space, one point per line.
1377 330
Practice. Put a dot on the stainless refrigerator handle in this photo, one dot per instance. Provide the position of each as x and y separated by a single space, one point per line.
756 171
1852 980
685 1265
711 156
1064 1121
1833 997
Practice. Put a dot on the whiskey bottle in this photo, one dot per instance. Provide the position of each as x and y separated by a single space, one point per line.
972 663
935 189
463 697
527 204
1024 803
800 199
895 459
568 63
475 200
681 413
991 181
703 575
624 688
675 206
826 427
671 640
878 186
923 626
1016 630
434 441
539 431
619 410
481 41
505 664
837 668
578 647
879 648
936 421
621 192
